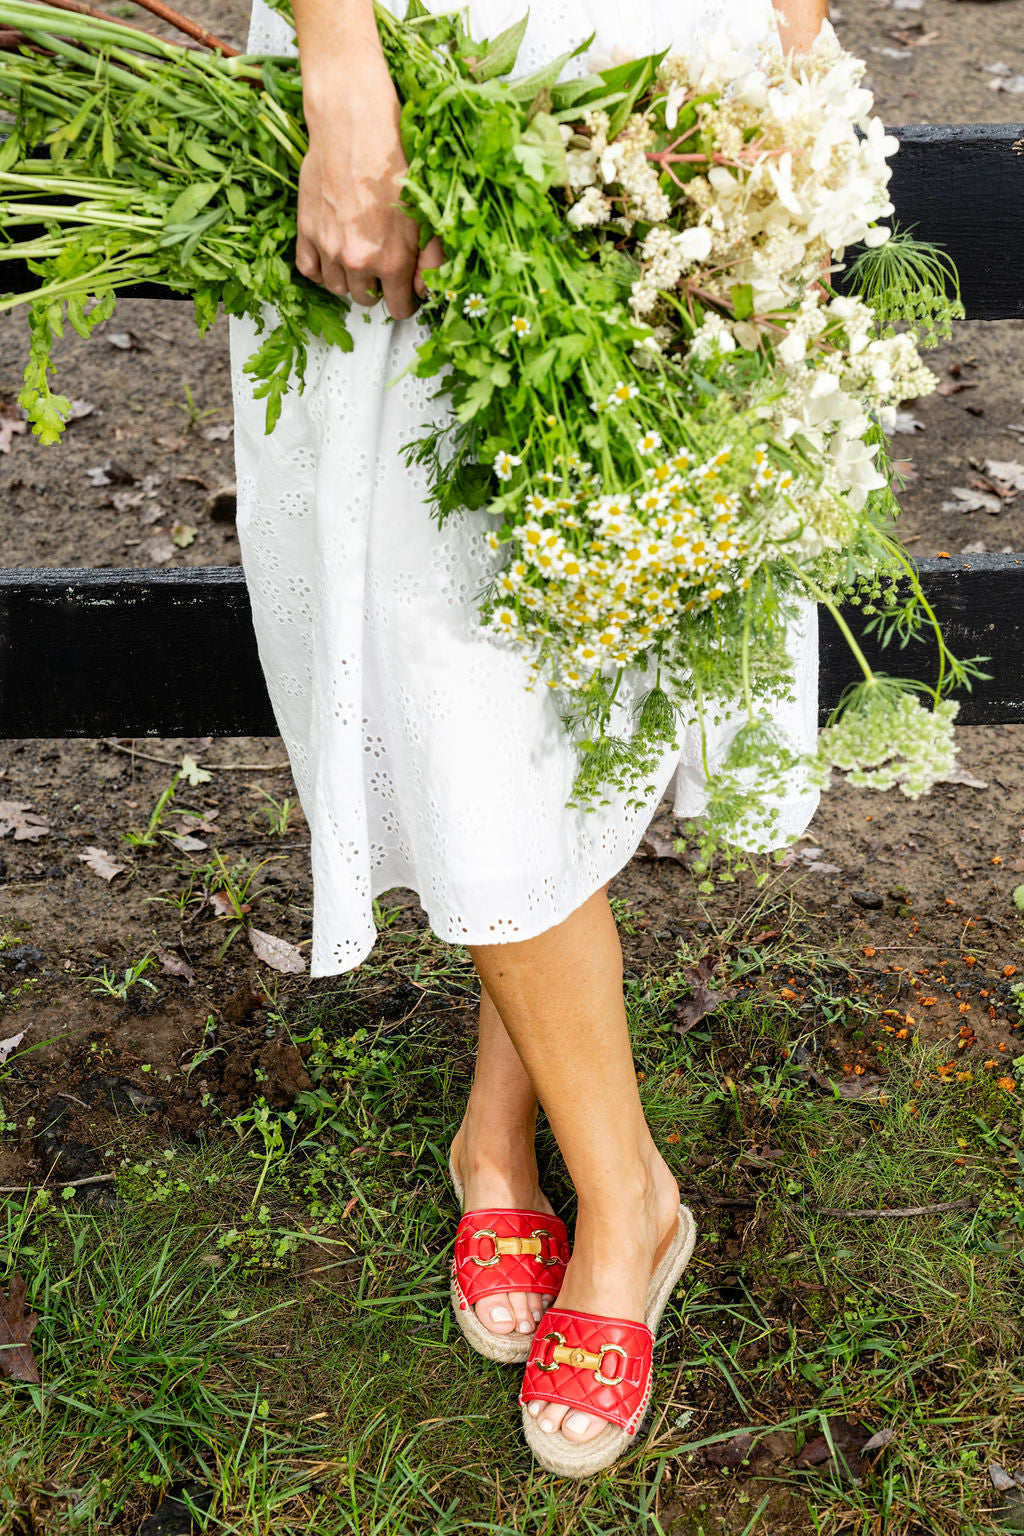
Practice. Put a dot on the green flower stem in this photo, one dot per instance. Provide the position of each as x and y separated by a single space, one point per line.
821 596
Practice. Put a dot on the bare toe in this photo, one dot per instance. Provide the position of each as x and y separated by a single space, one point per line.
496 1314
520 1304
577 1426
548 1415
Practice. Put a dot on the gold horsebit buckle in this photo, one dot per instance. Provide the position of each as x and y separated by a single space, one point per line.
584 1359
528 1247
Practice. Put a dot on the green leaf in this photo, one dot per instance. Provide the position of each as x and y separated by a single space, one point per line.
501 54
541 153
543 79
476 397
1018 898
109 149
201 156
742 300
190 202
235 198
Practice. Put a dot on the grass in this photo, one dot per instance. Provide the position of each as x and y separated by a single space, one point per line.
265 1318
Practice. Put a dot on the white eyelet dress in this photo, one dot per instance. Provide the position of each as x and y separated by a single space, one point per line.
420 758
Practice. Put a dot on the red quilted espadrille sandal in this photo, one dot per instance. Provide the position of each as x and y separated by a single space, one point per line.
599 1365
502 1250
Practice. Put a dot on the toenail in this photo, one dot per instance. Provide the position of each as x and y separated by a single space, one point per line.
525 1327
536 1317
547 1426
577 1422
500 1315
533 1408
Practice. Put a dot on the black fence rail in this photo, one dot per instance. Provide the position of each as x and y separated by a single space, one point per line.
138 652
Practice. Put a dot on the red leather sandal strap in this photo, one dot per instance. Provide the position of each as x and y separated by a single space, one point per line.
600 1365
503 1250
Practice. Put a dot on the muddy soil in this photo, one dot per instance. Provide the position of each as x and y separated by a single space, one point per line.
924 891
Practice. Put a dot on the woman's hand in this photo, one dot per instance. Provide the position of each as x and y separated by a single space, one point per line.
354 236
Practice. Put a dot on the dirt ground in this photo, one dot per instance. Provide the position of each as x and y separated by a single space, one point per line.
924 891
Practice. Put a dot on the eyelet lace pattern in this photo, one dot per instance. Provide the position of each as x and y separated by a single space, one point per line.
420 758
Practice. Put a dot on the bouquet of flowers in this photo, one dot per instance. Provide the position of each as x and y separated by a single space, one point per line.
675 420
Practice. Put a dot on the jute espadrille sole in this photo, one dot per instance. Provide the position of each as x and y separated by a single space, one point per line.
557 1454
506 1348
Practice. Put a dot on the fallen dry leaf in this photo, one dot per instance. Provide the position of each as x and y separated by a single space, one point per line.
1007 470
125 341
200 824
101 863
906 421
185 842
16 1325
173 965
277 953
13 422
218 434
158 547
221 903
17 816
864 1086
728 1453
80 408
954 386
654 846
848 1438
704 1001
10 1044
961 776
968 500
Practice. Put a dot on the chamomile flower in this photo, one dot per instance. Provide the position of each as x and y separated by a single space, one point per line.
519 325
505 463
475 306
623 392
647 442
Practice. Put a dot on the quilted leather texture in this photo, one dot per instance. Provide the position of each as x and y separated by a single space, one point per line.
576 1386
478 1276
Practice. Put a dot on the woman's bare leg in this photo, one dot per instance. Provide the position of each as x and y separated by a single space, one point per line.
560 1000
493 1153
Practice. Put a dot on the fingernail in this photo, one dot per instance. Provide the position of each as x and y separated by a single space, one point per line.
547 1426
500 1315
577 1422
525 1327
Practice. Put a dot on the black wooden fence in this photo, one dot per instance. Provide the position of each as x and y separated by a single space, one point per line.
139 652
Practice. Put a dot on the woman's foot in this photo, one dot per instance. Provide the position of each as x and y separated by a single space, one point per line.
610 1271
504 1180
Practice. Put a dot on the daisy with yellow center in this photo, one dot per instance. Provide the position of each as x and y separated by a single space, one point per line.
623 392
475 306
505 463
519 325
648 442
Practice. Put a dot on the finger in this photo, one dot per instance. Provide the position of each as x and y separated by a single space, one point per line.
335 277
430 258
307 260
398 294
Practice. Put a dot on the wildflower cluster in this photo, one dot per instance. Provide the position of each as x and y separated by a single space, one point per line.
644 372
